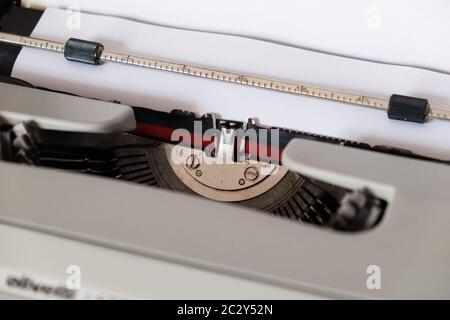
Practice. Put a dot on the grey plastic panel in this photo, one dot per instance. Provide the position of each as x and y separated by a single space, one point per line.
57 111
410 245
115 273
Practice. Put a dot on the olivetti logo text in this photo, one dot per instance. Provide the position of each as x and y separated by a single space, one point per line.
33 286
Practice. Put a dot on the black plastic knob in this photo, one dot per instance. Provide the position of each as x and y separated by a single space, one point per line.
83 51
407 108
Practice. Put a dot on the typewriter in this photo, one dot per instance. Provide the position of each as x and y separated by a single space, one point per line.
162 187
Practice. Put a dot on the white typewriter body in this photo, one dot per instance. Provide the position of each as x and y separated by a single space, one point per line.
138 242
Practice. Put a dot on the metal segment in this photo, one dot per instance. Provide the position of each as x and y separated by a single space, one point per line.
270 84
439 113
31 42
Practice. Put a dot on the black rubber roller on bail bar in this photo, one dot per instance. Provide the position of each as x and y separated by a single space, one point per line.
83 51
408 108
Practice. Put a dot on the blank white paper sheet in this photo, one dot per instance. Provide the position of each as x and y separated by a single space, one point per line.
165 91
